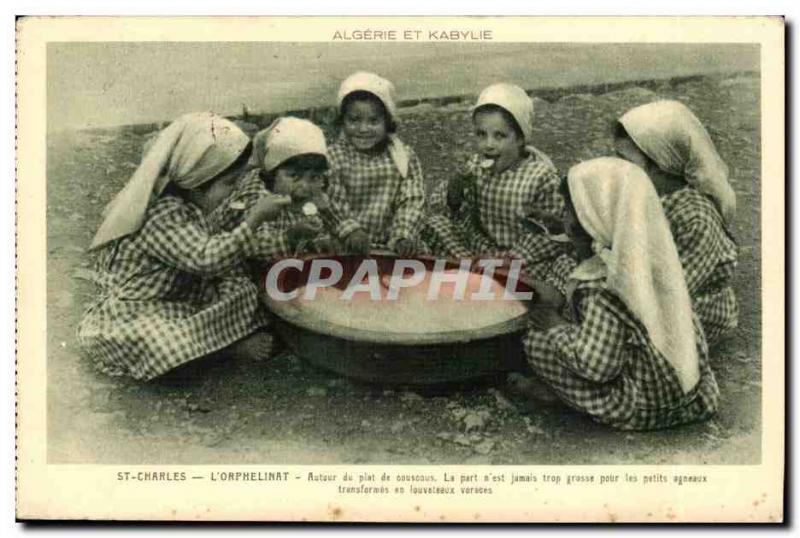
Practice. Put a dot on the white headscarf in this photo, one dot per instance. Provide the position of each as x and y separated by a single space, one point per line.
190 151
672 136
512 99
286 138
383 89
618 206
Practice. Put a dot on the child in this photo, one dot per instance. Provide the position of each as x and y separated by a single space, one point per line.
668 141
376 185
509 186
173 290
291 159
635 356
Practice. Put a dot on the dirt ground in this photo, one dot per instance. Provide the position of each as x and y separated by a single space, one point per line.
285 411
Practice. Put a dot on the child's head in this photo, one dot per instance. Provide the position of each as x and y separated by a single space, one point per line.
499 138
503 120
626 148
293 158
367 111
213 192
580 238
301 177
198 156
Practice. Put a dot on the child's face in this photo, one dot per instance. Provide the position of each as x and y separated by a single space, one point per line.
581 241
364 124
209 197
497 140
303 183
628 150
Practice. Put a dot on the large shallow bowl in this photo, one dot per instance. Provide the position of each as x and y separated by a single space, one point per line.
393 357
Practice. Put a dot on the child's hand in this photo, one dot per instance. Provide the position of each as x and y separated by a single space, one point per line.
326 245
553 223
357 242
544 318
547 295
266 208
300 233
405 248
455 190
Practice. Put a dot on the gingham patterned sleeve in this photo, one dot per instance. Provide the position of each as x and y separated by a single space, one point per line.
701 249
267 243
479 240
233 209
339 213
410 206
172 235
560 270
593 348
481 243
536 246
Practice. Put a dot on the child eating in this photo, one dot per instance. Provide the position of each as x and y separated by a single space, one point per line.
174 287
291 159
509 187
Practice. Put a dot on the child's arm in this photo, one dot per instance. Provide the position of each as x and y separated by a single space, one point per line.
339 213
593 348
702 247
410 205
479 242
244 196
536 245
172 235
268 243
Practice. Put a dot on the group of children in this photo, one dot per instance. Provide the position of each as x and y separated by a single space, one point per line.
631 257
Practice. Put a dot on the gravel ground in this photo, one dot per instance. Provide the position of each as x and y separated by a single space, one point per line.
285 411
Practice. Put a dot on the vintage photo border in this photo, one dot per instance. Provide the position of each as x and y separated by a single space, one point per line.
91 491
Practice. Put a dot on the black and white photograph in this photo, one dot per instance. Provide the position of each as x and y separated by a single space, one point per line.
380 249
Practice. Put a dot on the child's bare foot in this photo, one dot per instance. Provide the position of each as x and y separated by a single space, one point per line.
258 346
531 388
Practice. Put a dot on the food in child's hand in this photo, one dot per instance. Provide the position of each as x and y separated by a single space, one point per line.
237 205
486 163
310 209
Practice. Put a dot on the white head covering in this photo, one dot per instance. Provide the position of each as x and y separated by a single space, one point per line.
512 99
618 206
286 138
190 151
672 136
381 88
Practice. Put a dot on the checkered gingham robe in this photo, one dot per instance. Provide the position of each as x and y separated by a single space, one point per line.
368 192
492 221
605 365
708 255
172 292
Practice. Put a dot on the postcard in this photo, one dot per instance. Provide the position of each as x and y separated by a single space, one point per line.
470 269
